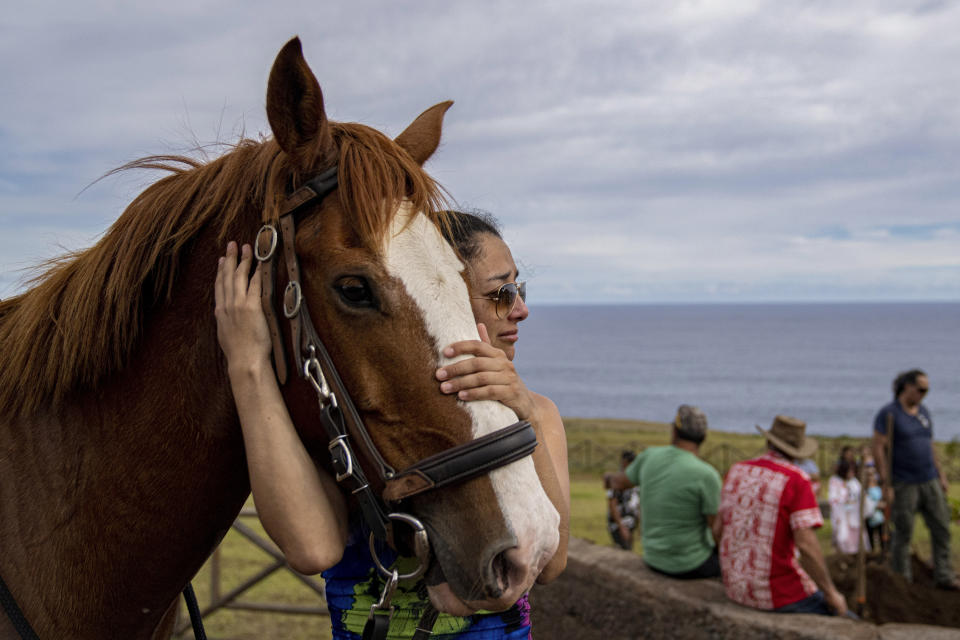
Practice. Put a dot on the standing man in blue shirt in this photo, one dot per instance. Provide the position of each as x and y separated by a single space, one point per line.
905 428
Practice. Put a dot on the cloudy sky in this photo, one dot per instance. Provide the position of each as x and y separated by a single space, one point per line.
634 151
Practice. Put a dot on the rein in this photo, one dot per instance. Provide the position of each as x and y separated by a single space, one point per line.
346 432
20 623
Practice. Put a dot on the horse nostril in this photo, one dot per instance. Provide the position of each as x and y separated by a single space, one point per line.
505 572
501 570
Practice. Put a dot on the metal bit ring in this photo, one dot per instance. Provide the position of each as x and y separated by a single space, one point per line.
421 544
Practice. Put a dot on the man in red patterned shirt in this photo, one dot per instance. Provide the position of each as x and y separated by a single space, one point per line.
769 553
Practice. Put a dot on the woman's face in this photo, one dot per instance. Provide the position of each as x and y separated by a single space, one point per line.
492 267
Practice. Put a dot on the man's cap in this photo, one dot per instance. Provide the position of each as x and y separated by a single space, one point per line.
690 423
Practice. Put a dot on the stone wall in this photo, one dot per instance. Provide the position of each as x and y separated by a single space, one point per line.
609 594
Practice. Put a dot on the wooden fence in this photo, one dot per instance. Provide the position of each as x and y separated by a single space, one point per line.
231 599
589 456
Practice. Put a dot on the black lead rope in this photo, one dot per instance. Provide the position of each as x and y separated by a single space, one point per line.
425 626
378 624
20 623
195 620
377 627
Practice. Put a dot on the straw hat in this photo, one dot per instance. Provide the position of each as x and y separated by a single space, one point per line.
789 435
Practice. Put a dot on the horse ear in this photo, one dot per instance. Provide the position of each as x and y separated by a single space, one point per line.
295 107
422 137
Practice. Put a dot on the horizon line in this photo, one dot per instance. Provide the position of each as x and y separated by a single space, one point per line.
630 303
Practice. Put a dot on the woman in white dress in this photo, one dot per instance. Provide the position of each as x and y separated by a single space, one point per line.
844 495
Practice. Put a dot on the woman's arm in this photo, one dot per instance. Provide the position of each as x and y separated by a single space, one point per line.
552 467
490 375
299 505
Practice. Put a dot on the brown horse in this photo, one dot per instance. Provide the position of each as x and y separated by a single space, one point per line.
121 458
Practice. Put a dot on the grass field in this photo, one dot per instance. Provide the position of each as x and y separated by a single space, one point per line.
240 559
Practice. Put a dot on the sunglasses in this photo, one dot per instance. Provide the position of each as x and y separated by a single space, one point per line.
922 390
506 297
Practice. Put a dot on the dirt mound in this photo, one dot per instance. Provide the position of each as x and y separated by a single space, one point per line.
890 598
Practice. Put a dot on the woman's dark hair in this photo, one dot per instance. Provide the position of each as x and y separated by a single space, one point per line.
904 378
627 456
465 229
844 466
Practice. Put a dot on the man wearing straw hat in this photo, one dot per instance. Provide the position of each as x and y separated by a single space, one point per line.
768 511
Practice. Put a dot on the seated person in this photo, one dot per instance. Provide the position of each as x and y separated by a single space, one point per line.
679 497
623 508
768 514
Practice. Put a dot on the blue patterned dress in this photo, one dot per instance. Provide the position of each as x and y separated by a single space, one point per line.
354 585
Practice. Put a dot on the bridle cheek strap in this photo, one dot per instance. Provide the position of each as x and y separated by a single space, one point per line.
266 245
463 462
264 248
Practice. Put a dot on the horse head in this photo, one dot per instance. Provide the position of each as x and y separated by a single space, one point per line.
386 293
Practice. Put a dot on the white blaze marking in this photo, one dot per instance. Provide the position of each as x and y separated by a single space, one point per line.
430 271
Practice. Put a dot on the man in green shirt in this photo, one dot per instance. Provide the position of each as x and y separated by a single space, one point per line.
679 498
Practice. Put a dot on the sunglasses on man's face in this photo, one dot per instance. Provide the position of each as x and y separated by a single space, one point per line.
922 390
506 297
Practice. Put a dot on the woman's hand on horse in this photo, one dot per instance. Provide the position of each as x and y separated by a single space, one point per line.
241 327
489 375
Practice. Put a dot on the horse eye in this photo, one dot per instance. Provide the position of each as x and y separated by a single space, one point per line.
355 292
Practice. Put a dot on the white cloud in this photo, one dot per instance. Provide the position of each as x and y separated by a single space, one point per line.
691 150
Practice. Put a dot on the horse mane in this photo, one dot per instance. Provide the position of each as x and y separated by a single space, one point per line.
82 316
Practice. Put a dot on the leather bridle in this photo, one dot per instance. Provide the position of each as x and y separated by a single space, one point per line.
346 432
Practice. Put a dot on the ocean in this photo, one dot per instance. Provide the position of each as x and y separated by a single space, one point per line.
831 365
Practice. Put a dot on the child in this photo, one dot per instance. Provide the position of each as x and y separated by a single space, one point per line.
874 519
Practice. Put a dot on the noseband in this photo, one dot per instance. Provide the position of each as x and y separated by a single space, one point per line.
345 429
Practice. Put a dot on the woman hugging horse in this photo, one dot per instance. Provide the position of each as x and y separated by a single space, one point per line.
122 457
299 503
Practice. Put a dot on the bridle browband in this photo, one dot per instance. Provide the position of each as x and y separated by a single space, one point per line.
346 432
